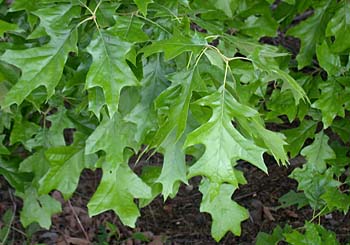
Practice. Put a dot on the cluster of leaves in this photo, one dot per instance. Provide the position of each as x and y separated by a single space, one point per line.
175 77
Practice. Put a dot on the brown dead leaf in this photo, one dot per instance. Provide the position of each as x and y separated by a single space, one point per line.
291 213
268 214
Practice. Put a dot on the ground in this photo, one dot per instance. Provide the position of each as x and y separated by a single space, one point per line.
176 221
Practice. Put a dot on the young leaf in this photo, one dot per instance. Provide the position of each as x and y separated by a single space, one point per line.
227 215
117 190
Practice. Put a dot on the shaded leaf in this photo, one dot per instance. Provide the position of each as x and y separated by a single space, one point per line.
331 101
314 184
336 200
144 113
310 31
341 127
297 136
314 234
318 152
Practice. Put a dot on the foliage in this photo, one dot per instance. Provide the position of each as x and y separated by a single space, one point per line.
178 78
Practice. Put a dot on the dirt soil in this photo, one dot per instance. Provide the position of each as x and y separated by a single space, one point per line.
176 221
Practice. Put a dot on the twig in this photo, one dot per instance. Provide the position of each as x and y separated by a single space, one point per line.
12 218
78 220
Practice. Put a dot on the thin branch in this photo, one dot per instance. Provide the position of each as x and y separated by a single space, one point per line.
12 217
78 220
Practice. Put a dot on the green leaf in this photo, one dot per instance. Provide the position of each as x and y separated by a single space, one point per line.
5 27
117 190
331 101
109 69
214 58
341 128
59 122
23 131
9 170
38 208
176 45
226 6
281 103
174 103
265 62
314 234
153 83
36 164
174 166
129 28
272 141
336 200
318 152
273 239
149 175
43 66
293 198
314 184
142 5
227 215
297 136
224 144
66 162
3 149
327 60
339 26
310 32
112 136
